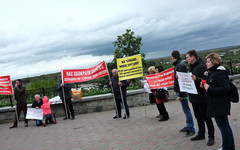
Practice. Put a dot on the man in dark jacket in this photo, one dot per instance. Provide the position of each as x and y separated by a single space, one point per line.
182 96
37 104
68 97
199 101
20 97
116 84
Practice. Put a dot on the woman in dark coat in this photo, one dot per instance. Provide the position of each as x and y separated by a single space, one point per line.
218 87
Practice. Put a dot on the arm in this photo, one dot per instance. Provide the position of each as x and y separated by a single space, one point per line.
59 86
20 90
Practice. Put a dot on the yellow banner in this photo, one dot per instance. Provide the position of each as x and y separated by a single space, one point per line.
130 67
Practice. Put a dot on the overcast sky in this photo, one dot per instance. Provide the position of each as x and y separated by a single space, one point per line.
45 36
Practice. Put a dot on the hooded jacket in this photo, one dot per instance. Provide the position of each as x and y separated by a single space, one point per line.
217 95
180 67
198 69
46 106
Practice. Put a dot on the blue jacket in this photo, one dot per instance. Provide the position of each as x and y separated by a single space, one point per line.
217 95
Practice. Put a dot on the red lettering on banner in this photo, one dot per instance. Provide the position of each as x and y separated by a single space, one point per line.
162 79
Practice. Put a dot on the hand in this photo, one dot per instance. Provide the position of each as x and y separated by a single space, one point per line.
206 86
13 97
36 107
16 85
110 83
201 85
62 84
179 98
176 76
194 77
120 83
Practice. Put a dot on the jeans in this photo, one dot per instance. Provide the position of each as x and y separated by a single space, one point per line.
38 122
187 112
226 132
200 112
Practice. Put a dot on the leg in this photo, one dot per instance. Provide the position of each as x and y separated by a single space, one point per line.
188 115
24 106
18 110
126 107
118 102
44 120
164 112
200 120
38 122
159 109
70 107
67 115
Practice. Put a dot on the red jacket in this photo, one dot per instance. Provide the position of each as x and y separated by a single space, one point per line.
46 106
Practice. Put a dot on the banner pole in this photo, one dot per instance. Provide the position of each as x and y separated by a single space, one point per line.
112 90
145 103
64 100
16 104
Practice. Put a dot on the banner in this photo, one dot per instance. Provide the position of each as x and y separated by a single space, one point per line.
33 113
186 83
161 80
6 85
81 75
130 67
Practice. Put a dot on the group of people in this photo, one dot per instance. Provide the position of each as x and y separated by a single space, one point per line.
212 100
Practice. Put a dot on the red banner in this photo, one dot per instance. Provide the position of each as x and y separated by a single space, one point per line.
81 75
6 85
162 79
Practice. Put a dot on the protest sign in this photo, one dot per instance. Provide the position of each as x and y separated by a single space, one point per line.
130 67
33 113
161 80
81 75
186 83
6 85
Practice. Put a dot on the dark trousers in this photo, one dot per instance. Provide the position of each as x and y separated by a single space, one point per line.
118 103
200 112
162 110
226 132
50 118
69 107
21 107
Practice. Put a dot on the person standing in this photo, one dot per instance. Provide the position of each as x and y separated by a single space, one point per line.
20 97
116 84
68 97
182 96
219 105
37 104
199 101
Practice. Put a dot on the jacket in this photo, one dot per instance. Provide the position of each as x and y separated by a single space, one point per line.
37 104
217 94
46 106
198 69
116 88
67 90
20 94
180 67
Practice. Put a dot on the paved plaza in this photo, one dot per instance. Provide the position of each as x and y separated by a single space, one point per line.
99 131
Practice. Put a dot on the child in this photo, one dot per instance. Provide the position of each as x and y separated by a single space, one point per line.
47 111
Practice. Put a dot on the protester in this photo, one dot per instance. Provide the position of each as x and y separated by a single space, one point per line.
20 97
37 104
199 101
68 97
47 114
217 88
116 84
182 96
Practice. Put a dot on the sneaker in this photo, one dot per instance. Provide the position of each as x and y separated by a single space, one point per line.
116 117
26 125
210 142
14 126
190 133
184 130
198 137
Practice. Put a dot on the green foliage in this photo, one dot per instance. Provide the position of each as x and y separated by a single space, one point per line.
34 84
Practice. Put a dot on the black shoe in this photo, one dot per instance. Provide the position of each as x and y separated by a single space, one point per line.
210 142
116 117
14 126
190 133
65 118
125 117
198 137
163 119
73 118
184 130
26 125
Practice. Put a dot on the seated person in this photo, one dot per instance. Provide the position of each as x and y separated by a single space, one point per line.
37 104
47 114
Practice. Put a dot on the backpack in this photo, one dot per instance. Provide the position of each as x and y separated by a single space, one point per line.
233 94
161 94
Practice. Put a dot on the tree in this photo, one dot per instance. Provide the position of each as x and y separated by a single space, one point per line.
127 45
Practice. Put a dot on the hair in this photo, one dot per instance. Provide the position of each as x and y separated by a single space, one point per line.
19 80
152 68
38 95
193 53
160 68
114 69
176 54
214 58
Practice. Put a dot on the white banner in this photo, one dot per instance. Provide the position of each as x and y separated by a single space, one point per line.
33 113
186 83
